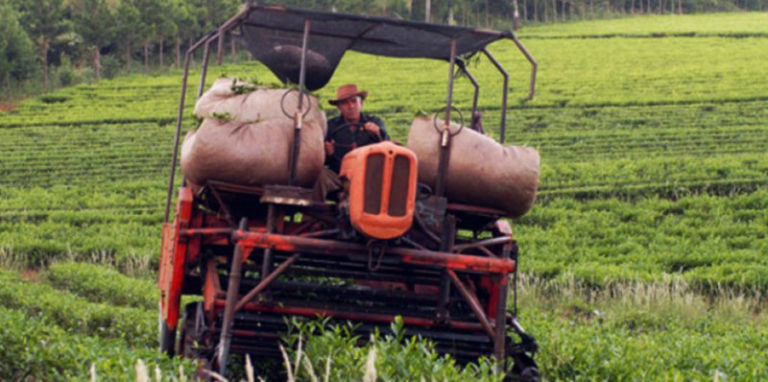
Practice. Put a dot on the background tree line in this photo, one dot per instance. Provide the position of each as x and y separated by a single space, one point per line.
104 37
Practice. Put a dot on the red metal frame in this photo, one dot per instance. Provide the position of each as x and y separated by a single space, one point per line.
176 244
202 249
192 226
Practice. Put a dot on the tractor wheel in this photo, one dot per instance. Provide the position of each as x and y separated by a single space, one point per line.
190 331
529 374
526 369
167 336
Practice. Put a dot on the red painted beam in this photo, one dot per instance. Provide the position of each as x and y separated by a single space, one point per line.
355 316
407 255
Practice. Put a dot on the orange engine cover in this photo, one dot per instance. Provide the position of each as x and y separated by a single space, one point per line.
382 189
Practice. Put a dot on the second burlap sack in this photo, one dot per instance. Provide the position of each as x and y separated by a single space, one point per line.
481 171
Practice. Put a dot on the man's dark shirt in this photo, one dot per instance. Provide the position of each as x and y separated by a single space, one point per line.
347 138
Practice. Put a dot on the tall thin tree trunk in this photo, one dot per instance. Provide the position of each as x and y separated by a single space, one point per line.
525 12
178 52
554 10
516 16
97 63
146 58
410 9
591 9
161 53
128 54
45 62
535 11
234 51
427 10
487 14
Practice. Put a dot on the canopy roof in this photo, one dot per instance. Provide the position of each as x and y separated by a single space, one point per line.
274 36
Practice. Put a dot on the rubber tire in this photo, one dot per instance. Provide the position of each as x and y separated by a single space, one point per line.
187 332
167 337
530 374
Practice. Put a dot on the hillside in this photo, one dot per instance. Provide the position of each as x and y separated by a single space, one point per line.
643 258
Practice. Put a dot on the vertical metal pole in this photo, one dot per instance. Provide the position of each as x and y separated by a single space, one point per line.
499 341
449 225
220 48
229 25
449 101
298 117
503 129
445 139
233 290
514 278
266 263
206 60
303 67
475 84
534 64
447 240
179 118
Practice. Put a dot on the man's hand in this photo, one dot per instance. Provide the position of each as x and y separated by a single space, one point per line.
372 128
329 147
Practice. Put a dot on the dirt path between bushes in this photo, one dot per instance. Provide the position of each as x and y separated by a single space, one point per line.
7 106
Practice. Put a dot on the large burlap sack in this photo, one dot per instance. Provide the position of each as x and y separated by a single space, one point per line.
258 105
253 153
481 171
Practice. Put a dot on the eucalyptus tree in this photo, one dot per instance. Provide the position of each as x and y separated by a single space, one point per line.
151 24
94 21
44 21
185 16
129 28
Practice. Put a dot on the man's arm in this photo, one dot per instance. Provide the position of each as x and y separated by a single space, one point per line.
382 130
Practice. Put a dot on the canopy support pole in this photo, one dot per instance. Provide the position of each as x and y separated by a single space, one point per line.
298 116
206 61
445 139
463 68
179 118
229 25
534 64
503 128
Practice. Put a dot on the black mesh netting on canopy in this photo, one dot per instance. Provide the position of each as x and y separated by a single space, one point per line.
274 36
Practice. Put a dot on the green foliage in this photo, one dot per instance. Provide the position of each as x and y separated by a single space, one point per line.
397 356
649 331
104 285
735 25
16 56
35 348
65 72
704 239
111 66
132 325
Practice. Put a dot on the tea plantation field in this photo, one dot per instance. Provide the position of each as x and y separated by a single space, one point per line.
644 258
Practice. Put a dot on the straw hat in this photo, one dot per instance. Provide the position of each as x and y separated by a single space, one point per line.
348 91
